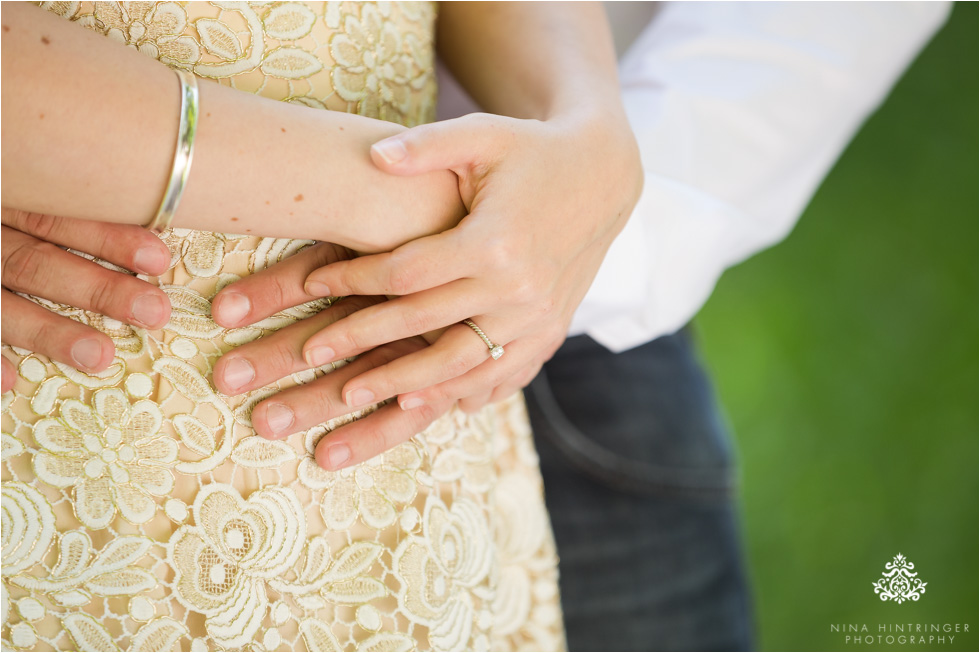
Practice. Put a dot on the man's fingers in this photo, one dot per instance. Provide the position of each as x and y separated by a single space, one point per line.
516 383
128 246
39 268
419 265
380 431
446 145
395 319
278 287
474 403
491 374
455 353
307 405
29 326
9 375
269 359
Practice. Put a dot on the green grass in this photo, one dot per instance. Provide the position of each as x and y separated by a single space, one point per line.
846 358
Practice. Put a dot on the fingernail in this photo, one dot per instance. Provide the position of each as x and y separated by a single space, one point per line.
410 403
337 455
279 418
87 353
392 151
320 356
150 259
148 310
317 289
359 397
238 372
233 307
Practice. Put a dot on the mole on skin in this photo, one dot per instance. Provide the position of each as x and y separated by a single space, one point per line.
283 129
6 28
234 219
45 40
298 198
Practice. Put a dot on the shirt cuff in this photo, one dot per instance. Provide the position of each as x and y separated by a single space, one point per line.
663 266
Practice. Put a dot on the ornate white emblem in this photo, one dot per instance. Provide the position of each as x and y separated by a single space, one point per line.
899 583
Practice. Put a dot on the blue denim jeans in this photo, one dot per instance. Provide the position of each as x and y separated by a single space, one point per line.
639 482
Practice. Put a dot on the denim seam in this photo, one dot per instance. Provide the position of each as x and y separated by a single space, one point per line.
611 468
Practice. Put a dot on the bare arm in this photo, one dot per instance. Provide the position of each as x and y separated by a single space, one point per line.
546 194
89 128
537 60
546 197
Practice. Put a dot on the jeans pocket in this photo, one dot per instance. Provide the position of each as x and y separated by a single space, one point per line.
643 421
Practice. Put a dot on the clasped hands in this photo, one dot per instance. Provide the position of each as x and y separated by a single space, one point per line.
545 199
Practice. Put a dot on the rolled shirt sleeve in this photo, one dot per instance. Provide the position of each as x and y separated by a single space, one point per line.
740 110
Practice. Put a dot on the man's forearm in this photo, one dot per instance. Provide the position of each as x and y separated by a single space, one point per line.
740 110
530 59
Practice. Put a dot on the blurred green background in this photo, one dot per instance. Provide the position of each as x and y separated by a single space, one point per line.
846 359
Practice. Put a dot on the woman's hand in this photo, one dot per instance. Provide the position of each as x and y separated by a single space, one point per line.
35 265
545 201
533 256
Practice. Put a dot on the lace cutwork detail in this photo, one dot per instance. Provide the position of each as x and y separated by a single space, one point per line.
140 510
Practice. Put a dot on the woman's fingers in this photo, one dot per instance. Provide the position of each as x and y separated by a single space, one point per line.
39 268
307 405
9 375
128 246
29 326
456 352
419 265
380 431
541 217
399 318
444 145
276 288
269 359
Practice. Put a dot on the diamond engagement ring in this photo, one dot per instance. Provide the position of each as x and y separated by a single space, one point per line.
496 351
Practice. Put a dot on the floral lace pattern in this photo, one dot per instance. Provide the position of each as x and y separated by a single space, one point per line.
140 510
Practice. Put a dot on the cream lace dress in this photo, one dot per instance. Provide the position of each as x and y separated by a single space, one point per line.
140 510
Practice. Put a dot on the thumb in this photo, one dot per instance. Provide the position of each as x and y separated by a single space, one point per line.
454 145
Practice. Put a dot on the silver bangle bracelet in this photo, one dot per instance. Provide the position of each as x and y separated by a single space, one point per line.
182 155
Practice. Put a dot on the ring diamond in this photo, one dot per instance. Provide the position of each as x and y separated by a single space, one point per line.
496 351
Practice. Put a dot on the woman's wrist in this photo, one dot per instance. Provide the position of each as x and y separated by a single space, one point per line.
601 135
89 128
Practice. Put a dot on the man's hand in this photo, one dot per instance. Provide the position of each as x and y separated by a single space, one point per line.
33 264
273 357
304 406
545 201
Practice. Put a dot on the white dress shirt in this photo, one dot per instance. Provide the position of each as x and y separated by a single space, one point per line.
740 109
